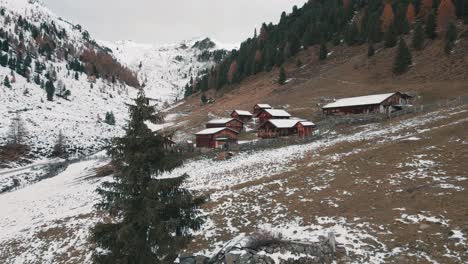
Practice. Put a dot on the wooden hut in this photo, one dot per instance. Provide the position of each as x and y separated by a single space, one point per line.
369 104
216 137
244 116
268 114
260 107
226 122
278 128
305 128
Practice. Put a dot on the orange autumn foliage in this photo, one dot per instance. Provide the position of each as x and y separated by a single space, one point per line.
445 15
410 14
387 17
232 71
426 7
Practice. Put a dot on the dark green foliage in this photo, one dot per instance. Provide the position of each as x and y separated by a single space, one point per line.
203 99
391 37
110 118
77 76
450 38
370 50
188 90
4 59
153 216
50 90
6 82
282 76
352 36
431 25
323 53
5 46
403 58
418 37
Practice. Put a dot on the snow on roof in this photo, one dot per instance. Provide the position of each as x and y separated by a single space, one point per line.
264 106
243 113
284 123
278 113
360 100
307 123
220 121
211 131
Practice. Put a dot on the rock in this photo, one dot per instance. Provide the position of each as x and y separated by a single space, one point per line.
424 226
231 258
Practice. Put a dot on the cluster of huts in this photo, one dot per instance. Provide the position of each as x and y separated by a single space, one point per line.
273 123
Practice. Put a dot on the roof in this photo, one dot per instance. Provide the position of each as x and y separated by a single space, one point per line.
220 121
211 131
283 123
243 113
360 100
264 106
277 113
307 123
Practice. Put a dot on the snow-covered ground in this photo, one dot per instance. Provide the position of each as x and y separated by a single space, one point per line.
64 204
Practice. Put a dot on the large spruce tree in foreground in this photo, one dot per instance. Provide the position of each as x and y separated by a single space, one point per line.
152 217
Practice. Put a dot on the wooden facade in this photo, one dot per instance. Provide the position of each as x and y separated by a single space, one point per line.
305 129
232 123
259 108
243 116
383 104
216 137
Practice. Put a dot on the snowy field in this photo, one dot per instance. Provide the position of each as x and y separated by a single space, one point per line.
268 190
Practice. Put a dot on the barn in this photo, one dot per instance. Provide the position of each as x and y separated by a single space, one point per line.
278 128
226 122
216 137
369 104
305 128
268 114
244 116
260 107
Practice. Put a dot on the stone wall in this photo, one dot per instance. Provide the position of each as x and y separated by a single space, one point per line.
281 251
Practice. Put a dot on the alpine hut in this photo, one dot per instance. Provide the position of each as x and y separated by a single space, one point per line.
244 116
216 137
369 104
260 107
231 123
268 114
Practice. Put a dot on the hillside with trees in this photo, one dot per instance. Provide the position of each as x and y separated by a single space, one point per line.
336 24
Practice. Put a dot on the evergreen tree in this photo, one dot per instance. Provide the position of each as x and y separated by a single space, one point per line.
17 132
450 38
403 58
431 26
110 118
6 82
204 99
282 76
153 216
4 60
323 53
391 37
418 37
59 147
50 90
77 76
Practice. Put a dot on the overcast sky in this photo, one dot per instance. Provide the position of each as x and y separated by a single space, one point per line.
169 21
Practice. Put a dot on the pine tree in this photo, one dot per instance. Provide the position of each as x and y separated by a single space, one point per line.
17 132
110 118
431 26
282 76
391 37
6 82
50 90
418 37
153 216
450 38
59 147
204 99
323 53
403 58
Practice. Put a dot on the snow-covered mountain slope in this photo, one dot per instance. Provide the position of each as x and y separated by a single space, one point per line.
38 47
165 70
